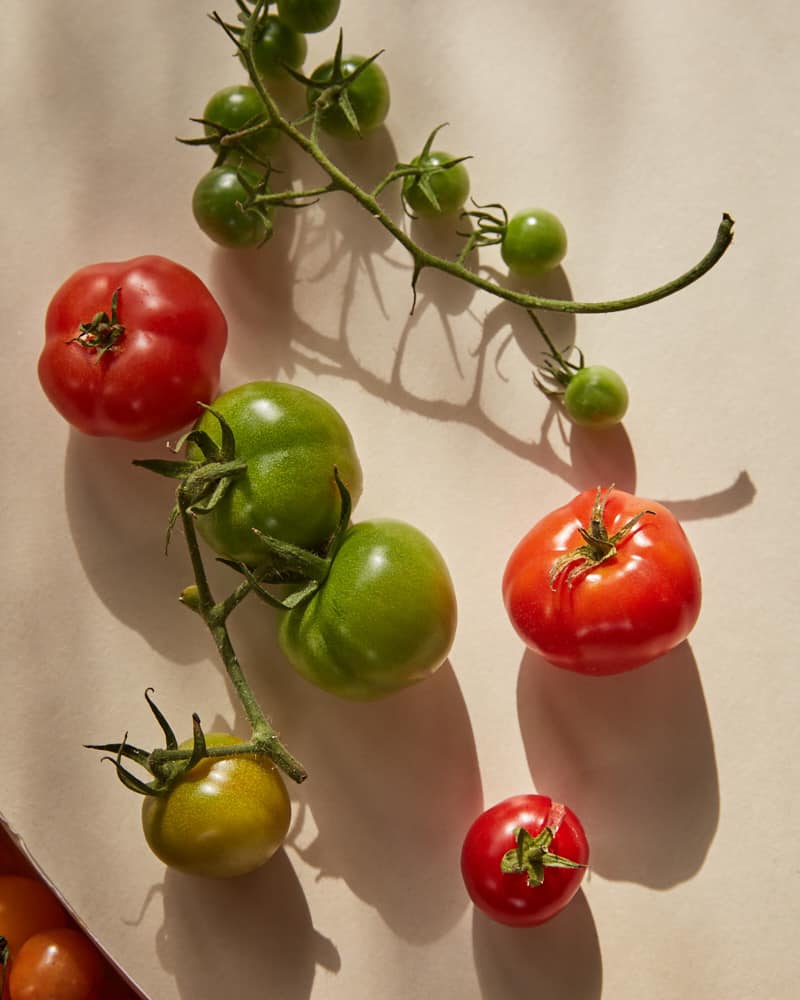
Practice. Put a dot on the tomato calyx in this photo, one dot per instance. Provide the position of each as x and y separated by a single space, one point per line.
598 547
334 91
532 855
203 483
287 563
103 332
420 171
556 371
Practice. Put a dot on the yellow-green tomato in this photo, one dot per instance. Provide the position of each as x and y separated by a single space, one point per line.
227 816
292 440
384 618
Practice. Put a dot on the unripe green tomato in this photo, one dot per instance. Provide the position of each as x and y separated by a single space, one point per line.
216 208
235 108
277 47
308 16
368 94
535 242
225 817
450 186
292 441
384 618
596 397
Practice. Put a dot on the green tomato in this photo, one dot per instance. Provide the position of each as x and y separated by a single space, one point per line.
226 816
235 108
308 16
216 205
278 46
534 242
596 396
369 98
292 440
384 618
450 187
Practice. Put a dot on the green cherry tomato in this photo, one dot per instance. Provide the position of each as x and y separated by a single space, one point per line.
450 187
278 46
227 816
292 440
369 98
216 205
534 242
383 619
308 16
235 108
596 396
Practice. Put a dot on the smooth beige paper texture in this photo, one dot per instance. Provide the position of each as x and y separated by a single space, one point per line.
639 124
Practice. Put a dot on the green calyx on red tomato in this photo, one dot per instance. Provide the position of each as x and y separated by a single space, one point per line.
523 860
353 95
308 16
605 584
382 619
132 348
226 816
218 206
291 441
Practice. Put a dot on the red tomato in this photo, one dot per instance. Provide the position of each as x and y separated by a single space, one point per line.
27 906
131 347
60 964
604 584
523 860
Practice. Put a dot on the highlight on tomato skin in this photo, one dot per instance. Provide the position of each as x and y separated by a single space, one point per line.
132 348
611 601
523 860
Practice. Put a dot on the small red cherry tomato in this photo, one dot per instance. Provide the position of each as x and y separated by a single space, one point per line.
523 860
604 584
131 348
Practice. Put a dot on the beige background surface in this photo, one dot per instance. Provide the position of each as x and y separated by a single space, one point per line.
639 123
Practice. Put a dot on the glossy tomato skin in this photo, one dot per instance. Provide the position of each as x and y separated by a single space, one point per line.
226 817
238 107
57 964
308 16
506 896
535 242
291 440
217 208
450 186
623 613
384 618
27 906
166 361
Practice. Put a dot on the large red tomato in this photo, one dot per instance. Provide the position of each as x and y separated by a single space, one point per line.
523 859
604 584
131 347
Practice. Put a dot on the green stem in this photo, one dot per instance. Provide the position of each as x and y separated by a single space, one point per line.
456 268
264 737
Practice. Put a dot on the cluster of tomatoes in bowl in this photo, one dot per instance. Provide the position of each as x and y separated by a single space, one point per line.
44 954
